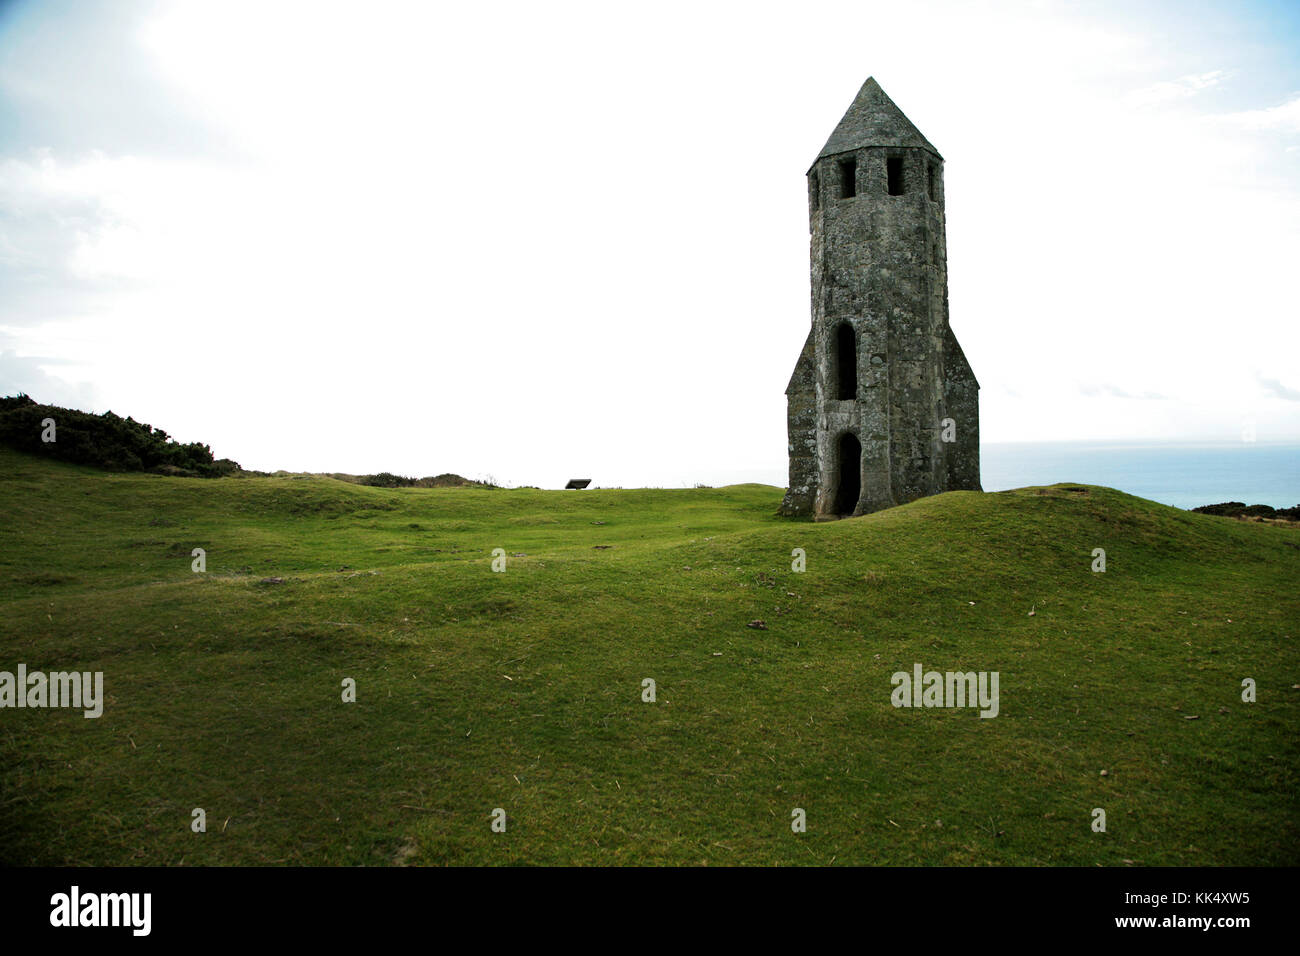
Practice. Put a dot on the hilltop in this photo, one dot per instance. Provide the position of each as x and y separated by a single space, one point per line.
523 689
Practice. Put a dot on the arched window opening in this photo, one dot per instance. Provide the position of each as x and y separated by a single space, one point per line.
846 363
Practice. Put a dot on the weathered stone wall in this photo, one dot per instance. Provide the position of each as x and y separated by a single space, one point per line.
801 425
962 397
879 265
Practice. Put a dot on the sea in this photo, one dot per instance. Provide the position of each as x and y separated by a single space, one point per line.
1182 475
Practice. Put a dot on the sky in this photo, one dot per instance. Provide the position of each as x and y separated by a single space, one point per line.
537 241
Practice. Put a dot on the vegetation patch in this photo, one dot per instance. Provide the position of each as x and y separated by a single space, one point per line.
105 441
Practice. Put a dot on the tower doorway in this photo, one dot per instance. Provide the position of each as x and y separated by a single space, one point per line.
849 487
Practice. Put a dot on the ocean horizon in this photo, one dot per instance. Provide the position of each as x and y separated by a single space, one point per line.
1182 474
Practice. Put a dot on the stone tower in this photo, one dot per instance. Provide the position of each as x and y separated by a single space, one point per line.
882 406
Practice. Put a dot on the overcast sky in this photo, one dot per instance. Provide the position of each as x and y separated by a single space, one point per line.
545 240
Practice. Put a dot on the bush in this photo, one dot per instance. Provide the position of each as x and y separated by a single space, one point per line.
386 479
1228 509
1239 509
103 441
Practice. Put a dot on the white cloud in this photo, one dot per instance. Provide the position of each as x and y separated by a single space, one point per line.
31 375
1165 91
1275 389
1284 118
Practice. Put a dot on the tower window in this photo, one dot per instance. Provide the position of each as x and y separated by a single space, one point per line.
816 188
894 172
846 363
929 181
848 178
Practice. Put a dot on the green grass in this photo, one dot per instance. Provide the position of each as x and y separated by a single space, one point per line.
522 690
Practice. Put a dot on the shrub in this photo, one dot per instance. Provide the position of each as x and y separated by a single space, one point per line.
103 441
386 479
1239 509
1229 509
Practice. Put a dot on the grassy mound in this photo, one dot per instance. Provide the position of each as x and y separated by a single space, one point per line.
522 690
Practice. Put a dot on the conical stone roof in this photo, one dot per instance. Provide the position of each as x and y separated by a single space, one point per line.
874 120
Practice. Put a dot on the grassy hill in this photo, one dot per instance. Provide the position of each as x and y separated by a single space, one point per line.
522 690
